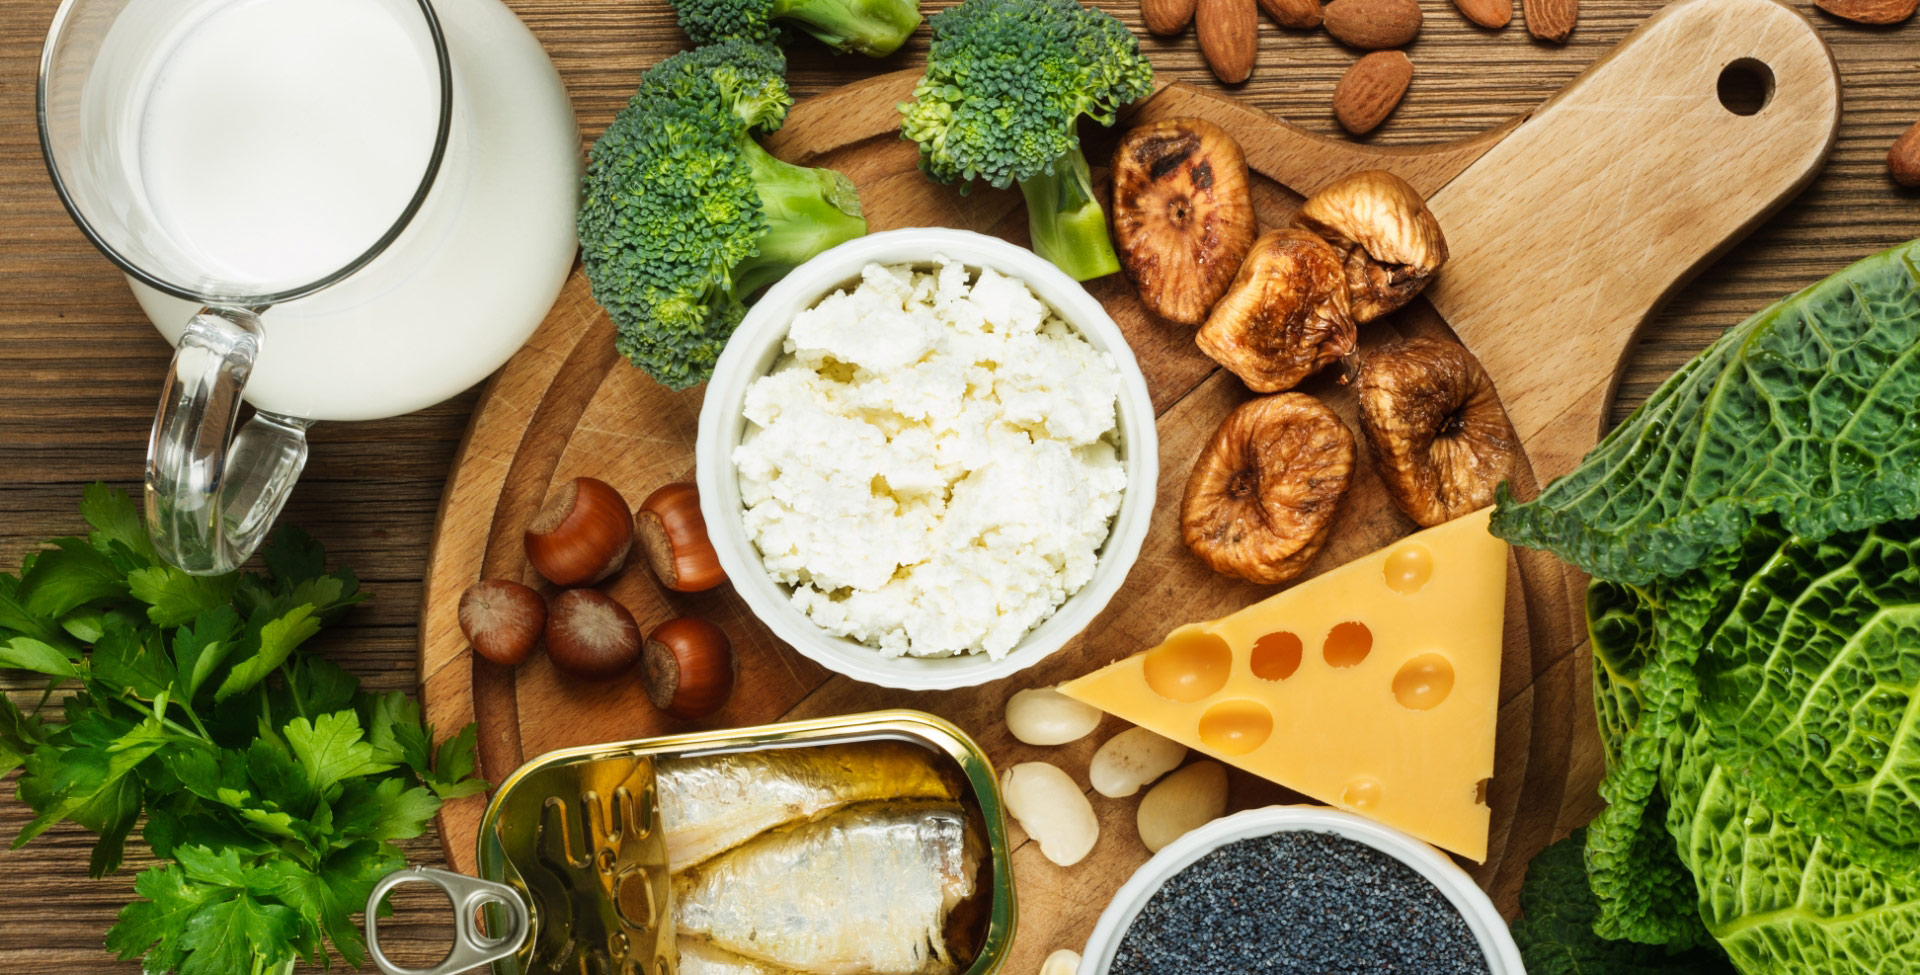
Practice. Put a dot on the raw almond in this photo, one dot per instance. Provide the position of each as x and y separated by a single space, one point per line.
1373 25
1228 37
1493 14
1299 14
1166 17
1551 20
1870 11
1904 158
1371 89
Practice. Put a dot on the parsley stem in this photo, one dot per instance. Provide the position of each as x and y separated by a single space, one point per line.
293 691
166 722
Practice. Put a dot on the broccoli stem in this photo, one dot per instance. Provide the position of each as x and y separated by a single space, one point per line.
1066 221
807 211
875 28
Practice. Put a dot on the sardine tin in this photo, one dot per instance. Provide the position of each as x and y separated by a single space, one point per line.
915 726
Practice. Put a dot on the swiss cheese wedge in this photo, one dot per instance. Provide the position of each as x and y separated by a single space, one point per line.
1374 687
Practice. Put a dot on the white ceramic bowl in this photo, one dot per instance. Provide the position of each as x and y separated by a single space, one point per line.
750 354
1503 958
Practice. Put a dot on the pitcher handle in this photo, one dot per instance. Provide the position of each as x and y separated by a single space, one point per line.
471 946
212 496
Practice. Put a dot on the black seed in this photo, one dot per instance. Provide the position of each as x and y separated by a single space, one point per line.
1298 903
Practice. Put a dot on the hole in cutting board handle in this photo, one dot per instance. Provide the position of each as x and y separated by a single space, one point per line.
1746 86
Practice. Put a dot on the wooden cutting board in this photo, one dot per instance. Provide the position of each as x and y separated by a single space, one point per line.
1568 228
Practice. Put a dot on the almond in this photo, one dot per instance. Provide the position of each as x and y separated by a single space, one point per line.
1373 25
1299 14
1493 14
1166 17
1870 11
1904 158
1370 90
1228 36
1551 20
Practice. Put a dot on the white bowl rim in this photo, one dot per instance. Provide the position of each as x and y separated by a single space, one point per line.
1483 921
768 321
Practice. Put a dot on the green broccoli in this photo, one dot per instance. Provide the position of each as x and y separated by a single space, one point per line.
1006 84
684 215
875 28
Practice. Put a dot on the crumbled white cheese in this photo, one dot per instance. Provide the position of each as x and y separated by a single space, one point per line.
932 466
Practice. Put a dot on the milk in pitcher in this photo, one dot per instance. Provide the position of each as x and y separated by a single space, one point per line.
281 138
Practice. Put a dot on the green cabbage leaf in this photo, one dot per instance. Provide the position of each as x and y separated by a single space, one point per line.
1768 694
1806 411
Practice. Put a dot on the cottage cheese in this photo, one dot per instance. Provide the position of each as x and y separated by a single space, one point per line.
932 466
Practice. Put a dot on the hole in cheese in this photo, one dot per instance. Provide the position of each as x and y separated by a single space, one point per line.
1191 666
1276 656
1480 792
1361 793
1347 644
1423 682
1408 568
1236 727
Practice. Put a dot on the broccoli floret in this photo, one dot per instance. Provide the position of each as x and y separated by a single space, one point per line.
684 215
875 28
1006 84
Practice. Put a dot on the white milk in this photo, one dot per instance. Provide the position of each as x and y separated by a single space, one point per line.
282 138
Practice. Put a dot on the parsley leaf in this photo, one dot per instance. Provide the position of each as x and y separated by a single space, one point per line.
278 640
26 653
173 597
271 783
330 749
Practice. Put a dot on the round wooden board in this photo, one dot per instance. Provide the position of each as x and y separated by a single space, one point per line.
566 406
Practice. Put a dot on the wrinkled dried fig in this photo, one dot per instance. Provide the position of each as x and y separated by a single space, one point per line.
1439 436
1388 240
1285 316
1182 214
1262 495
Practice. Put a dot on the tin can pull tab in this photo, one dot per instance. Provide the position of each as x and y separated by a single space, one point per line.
472 947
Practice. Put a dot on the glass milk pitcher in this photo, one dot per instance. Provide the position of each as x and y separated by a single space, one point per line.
338 209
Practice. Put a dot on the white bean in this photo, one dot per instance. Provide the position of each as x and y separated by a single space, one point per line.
1044 716
1132 759
1182 802
1052 809
1066 961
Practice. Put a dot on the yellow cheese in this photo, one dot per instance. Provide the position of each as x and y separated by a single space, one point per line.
1374 687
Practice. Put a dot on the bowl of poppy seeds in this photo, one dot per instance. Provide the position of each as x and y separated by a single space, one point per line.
1300 890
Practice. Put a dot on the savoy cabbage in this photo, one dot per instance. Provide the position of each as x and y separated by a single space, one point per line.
1767 781
1806 411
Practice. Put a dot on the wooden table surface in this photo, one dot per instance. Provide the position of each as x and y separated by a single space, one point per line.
82 367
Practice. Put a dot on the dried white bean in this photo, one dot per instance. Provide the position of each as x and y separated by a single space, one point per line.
1182 802
1044 716
1066 961
1132 759
1052 809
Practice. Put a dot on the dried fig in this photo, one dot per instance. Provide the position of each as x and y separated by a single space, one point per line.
1439 436
1182 214
1285 316
1262 495
1387 239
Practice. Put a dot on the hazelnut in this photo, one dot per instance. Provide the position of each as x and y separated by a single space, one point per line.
673 534
1182 214
590 635
581 535
502 620
1439 437
687 667
1262 495
1285 316
1389 243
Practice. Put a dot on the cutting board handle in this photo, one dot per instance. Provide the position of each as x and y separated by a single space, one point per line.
1579 225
